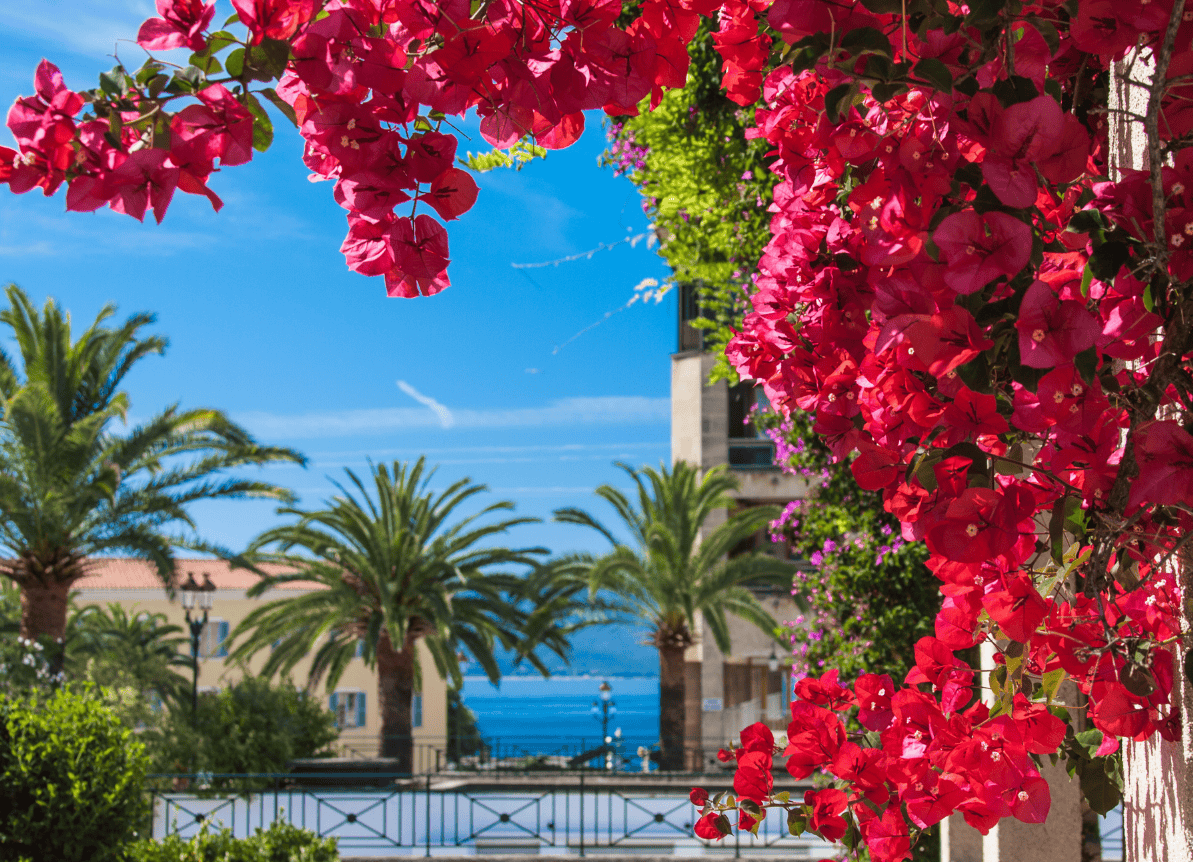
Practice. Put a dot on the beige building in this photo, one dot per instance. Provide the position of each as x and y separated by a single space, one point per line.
134 585
709 427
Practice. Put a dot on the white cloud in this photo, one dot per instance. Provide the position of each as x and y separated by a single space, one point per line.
446 420
611 410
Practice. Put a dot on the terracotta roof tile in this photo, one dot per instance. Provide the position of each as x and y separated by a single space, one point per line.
125 573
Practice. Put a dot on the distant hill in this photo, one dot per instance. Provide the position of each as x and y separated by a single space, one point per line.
606 650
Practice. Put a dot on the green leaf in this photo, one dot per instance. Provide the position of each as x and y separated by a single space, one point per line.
267 61
1050 683
156 84
796 823
234 63
1086 278
281 104
219 40
935 73
1100 784
147 72
867 39
1149 301
1108 259
1056 530
833 99
113 82
262 127
206 63
232 19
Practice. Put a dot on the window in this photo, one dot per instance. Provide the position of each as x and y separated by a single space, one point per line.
348 708
416 710
360 649
213 639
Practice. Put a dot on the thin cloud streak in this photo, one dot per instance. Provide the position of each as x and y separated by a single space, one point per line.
444 415
611 410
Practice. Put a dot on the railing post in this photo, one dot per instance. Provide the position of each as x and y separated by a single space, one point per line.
428 816
581 810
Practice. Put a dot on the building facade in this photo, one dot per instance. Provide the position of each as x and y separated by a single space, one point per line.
134 585
710 427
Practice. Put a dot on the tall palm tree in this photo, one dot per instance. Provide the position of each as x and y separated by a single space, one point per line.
397 566
74 484
669 572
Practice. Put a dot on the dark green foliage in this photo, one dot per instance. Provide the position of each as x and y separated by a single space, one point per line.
254 726
463 734
871 595
281 842
70 780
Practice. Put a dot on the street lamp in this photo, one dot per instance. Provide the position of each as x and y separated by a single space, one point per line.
772 663
198 597
603 709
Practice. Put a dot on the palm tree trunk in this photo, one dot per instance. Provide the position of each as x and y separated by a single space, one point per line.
395 695
671 707
43 609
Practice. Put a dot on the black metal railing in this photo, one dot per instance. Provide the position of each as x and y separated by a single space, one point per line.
495 754
423 815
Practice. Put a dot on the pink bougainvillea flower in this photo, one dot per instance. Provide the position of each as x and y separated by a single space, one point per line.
826 691
981 523
1052 331
1018 608
369 245
1030 801
874 692
753 778
274 19
182 23
980 247
1164 452
887 837
713 826
827 807
452 192
420 246
143 179
947 340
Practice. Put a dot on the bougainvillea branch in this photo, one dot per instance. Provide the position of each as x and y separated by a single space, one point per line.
992 329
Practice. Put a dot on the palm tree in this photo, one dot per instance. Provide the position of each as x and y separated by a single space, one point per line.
397 568
671 572
112 646
72 485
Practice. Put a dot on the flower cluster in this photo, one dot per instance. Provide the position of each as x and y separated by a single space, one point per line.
969 310
369 84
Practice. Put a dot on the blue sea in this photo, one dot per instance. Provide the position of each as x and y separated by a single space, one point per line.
542 715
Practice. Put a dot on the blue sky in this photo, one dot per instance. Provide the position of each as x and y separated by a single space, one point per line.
267 323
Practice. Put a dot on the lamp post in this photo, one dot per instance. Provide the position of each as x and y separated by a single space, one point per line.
198 597
602 709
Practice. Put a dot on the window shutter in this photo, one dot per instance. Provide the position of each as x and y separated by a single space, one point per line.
416 710
222 651
360 710
331 704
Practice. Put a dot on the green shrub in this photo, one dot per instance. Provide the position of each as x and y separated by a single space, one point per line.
253 726
71 780
281 842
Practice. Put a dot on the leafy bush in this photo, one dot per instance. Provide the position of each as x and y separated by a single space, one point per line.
281 842
71 780
254 726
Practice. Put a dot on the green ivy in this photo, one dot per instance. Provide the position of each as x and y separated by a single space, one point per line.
706 187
